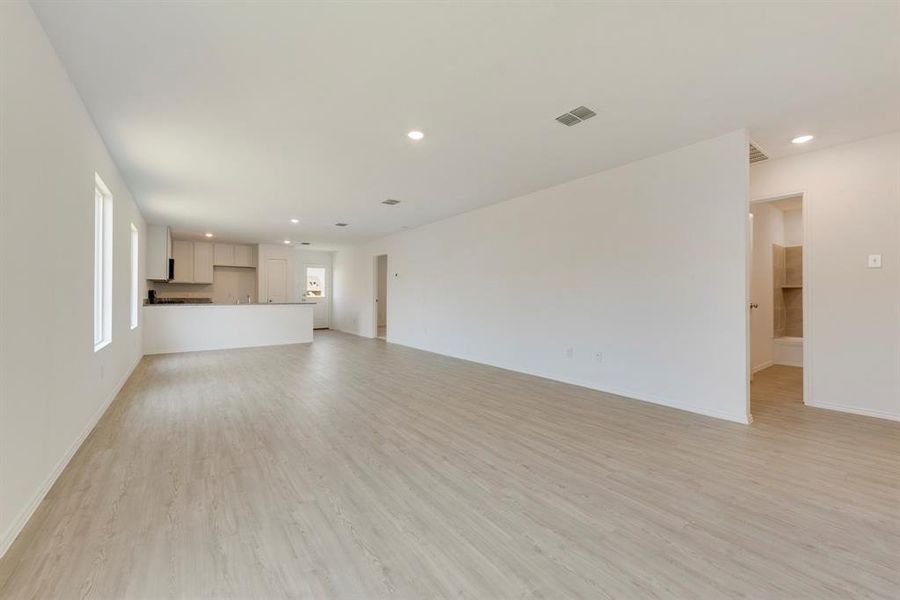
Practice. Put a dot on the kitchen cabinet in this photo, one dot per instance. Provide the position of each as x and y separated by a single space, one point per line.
159 251
223 255
183 253
203 262
233 255
243 255
193 262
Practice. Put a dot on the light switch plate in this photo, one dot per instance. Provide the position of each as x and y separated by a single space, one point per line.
874 261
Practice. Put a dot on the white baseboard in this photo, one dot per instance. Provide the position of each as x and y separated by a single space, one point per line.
762 366
743 418
15 528
789 363
866 412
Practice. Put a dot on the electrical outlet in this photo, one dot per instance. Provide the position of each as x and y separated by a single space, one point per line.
874 261
598 356
570 352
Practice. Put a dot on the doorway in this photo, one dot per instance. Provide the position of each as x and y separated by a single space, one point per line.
777 274
276 280
381 322
315 289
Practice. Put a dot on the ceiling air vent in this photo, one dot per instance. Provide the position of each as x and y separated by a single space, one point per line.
583 113
390 202
756 155
576 116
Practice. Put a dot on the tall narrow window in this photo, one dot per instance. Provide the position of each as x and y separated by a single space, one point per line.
135 292
102 264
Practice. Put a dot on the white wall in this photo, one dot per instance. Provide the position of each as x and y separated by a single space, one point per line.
644 263
53 386
793 228
768 229
852 325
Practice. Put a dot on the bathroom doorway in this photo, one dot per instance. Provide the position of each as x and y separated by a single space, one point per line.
777 278
381 300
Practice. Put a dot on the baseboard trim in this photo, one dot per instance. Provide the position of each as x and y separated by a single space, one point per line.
788 363
762 366
866 412
743 419
9 536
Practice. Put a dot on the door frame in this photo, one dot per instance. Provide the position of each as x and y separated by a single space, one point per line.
808 254
387 264
286 281
327 283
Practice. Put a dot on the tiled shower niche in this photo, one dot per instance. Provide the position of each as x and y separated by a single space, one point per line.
787 271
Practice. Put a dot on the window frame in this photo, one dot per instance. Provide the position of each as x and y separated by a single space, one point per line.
135 277
103 264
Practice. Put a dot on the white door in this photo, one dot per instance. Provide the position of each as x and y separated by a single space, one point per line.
276 280
315 289
751 305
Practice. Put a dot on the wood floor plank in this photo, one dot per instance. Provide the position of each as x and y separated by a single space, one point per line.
352 468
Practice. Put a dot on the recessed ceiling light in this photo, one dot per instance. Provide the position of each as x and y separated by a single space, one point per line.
208 234
295 221
801 139
287 241
340 224
415 135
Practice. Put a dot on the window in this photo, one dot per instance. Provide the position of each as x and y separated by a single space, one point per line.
135 292
102 264
315 282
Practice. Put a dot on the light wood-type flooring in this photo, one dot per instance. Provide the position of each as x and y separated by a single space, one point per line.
354 468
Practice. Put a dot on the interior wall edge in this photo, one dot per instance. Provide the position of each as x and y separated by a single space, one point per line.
739 416
618 236
856 410
21 520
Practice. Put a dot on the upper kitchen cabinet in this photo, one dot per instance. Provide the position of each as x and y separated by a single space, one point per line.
233 255
183 253
223 255
159 251
203 262
243 255
193 262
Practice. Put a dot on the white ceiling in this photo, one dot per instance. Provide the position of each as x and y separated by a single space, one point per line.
234 117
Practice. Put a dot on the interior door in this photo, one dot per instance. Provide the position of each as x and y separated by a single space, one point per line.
750 304
276 280
315 282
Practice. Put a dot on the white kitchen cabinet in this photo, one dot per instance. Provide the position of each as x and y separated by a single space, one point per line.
223 255
203 262
159 251
243 255
233 255
183 253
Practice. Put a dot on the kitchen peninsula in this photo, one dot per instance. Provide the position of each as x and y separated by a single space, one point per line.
192 327
202 294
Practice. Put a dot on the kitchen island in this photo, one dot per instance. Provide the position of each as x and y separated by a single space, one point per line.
191 327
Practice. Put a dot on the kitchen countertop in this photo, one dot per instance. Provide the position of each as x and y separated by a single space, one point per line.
207 304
